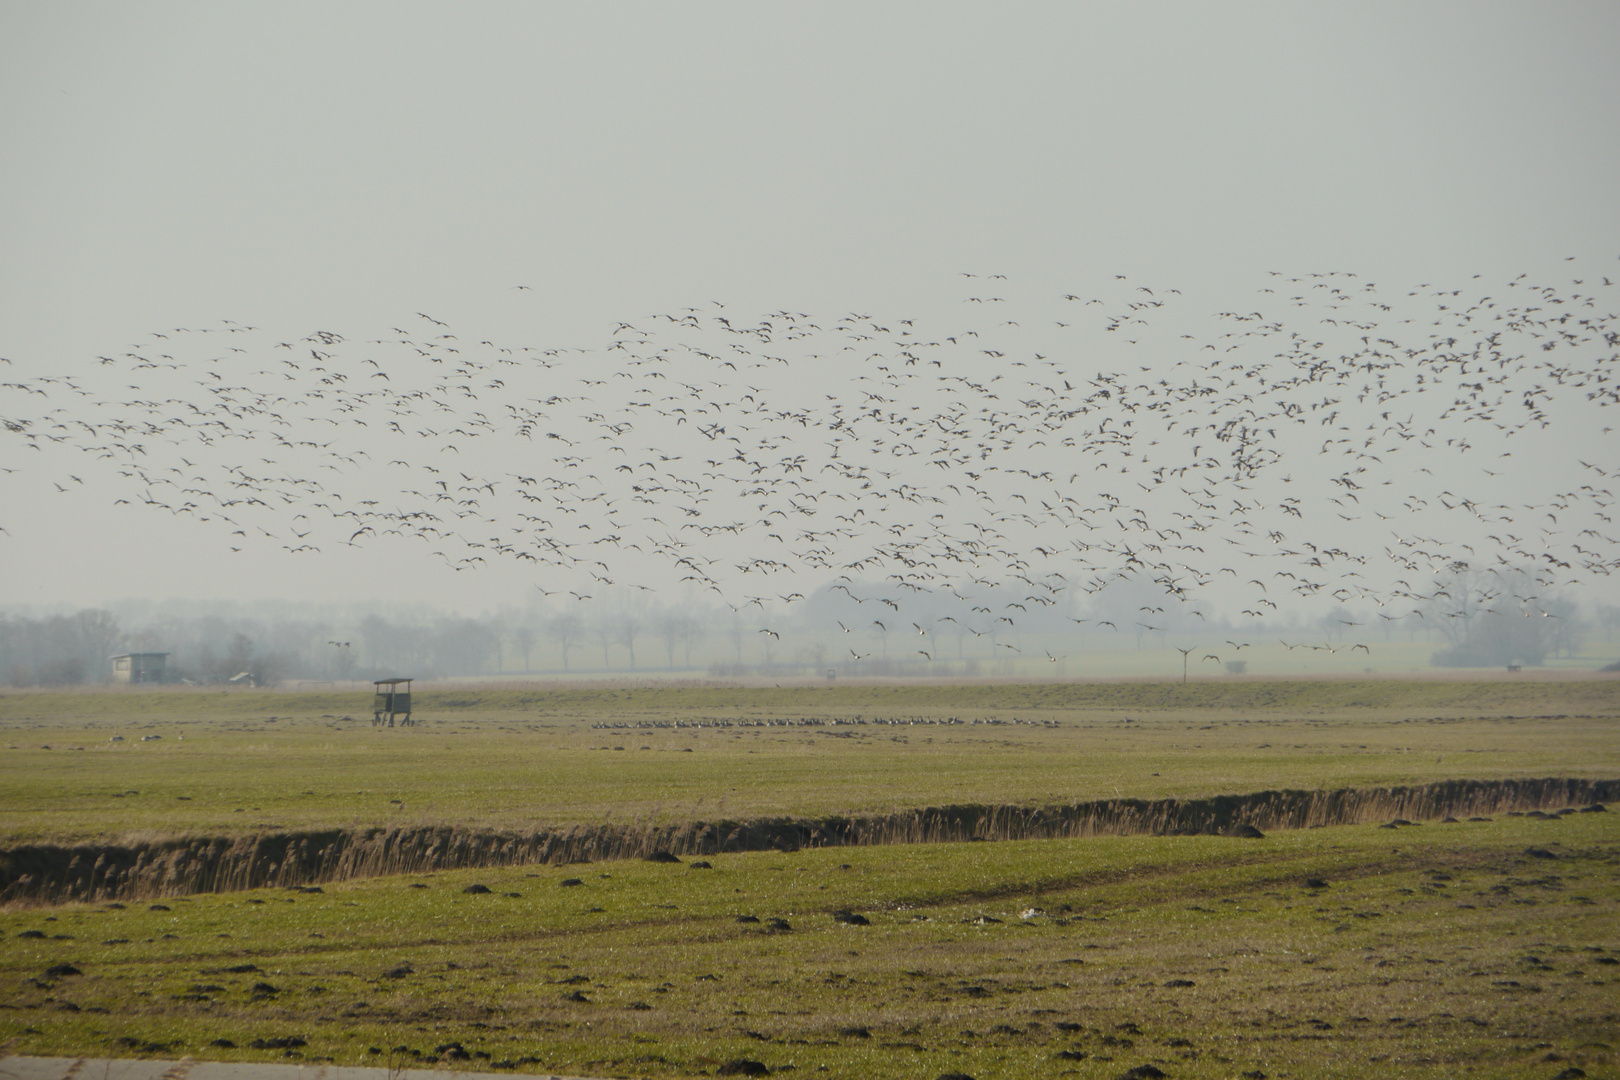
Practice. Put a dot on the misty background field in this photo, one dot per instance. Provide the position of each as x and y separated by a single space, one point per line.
305 644
94 766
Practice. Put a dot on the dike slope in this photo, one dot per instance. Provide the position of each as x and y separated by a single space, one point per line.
45 873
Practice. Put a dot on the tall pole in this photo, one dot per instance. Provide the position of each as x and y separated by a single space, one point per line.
1183 653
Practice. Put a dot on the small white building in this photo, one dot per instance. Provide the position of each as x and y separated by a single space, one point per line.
139 667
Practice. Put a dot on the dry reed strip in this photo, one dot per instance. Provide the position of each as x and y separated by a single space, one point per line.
55 874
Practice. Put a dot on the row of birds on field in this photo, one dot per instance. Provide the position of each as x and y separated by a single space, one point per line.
1326 439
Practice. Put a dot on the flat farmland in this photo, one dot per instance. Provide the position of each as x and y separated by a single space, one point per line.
94 767
1486 946
1481 947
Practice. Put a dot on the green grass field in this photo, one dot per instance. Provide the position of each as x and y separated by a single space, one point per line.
1484 947
1429 951
233 763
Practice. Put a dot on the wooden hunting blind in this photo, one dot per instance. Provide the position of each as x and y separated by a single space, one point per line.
391 702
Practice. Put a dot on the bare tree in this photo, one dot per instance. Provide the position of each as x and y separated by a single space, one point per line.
524 638
1567 633
692 629
626 625
671 624
1455 601
98 639
341 657
58 649
566 631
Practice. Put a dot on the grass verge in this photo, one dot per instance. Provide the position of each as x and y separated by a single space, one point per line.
1335 952
92 767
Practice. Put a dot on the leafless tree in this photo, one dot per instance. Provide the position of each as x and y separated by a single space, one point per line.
524 638
566 631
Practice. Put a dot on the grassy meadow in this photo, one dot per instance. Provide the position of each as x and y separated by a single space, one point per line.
242 762
1484 947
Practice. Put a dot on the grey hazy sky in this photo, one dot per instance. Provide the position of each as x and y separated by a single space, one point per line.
304 166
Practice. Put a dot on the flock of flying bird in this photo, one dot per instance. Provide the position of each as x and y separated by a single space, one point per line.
1406 449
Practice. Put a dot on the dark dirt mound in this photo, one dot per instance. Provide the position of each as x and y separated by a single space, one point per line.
476 889
662 855
1142 1072
742 1067
851 918
1245 832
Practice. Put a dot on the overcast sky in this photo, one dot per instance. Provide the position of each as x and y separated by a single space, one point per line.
341 167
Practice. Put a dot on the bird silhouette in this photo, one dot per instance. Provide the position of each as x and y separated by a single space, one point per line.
1342 442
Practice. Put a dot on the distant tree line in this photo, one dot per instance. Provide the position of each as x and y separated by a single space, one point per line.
845 629
269 649
58 650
